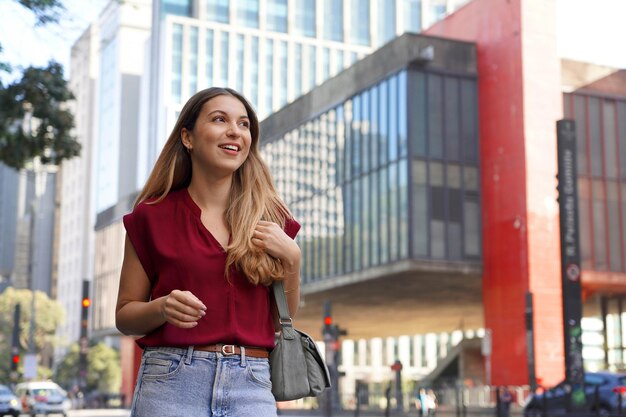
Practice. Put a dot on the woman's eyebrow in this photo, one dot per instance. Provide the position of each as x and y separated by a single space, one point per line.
243 116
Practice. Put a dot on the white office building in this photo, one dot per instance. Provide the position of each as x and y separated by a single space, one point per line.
272 51
106 69
76 219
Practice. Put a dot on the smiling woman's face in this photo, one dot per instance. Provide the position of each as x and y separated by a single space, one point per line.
220 140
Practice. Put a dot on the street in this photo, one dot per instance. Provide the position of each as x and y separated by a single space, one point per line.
126 413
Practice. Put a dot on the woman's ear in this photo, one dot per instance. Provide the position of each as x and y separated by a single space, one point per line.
185 138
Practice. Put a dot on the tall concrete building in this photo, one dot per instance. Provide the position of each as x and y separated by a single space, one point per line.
27 221
77 214
124 29
106 68
8 220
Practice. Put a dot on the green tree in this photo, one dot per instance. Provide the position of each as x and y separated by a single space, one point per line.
49 314
46 11
104 373
34 119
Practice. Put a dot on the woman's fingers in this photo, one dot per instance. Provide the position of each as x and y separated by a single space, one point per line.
183 309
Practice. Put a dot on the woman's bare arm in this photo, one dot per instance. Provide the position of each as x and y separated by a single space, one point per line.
136 314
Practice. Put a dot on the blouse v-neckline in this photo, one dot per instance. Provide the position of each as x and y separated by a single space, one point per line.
197 211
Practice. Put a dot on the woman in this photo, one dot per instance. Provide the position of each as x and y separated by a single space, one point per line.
206 238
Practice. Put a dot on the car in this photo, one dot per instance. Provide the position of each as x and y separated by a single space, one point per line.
602 391
9 403
43 397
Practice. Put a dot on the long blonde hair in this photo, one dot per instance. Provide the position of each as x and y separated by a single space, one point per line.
252 193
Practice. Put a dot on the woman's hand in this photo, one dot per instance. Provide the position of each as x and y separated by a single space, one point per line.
271 238
182 309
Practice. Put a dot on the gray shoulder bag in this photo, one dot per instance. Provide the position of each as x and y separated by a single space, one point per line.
297 368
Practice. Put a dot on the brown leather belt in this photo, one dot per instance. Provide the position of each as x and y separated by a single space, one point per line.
255 352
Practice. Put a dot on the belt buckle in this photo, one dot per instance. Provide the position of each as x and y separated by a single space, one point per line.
228 350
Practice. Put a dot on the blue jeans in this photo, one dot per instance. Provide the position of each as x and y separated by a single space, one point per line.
176 382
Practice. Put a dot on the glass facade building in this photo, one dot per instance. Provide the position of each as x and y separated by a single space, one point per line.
380 177
601 135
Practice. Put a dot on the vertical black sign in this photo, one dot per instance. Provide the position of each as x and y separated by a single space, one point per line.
530 342
570 259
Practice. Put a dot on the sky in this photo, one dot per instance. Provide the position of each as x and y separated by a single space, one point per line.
589 30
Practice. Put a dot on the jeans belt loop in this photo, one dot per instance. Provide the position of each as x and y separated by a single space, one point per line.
242 362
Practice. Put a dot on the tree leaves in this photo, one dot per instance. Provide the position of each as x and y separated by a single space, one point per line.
104 372
45 11
48 315
34 119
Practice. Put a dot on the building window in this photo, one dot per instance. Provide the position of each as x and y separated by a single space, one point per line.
210 50
312 66
360 22
599 225
435 116
394 215
386 20
193 60
469 118
304 17
297 79
177 62
283 77
254 71
333 20
176 7
451 130
218 11
412 15
239 48
269 75
435 11
224 57
403 201
276 15
325 63
437 211
247 13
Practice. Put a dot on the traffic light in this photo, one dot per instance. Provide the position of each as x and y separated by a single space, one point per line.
84 338
15 343
327 329
15 361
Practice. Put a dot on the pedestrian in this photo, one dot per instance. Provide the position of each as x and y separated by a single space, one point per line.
506 398
206 238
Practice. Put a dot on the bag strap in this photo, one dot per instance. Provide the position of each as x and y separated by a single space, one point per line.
281 303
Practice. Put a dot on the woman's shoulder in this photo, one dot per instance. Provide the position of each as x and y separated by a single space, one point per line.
155 206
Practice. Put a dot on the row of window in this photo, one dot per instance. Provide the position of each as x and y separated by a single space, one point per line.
390 17
601 134
347 178
416 351
276 69
601 160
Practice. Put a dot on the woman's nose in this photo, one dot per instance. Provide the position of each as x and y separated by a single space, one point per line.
233 129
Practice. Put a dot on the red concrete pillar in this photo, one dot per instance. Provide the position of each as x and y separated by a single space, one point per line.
519 103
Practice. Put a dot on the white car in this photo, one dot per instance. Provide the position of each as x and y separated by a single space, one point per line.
44 397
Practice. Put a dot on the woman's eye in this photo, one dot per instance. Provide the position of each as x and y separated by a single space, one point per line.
245 124
218 119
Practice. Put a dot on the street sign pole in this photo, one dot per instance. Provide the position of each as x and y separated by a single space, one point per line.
570 261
